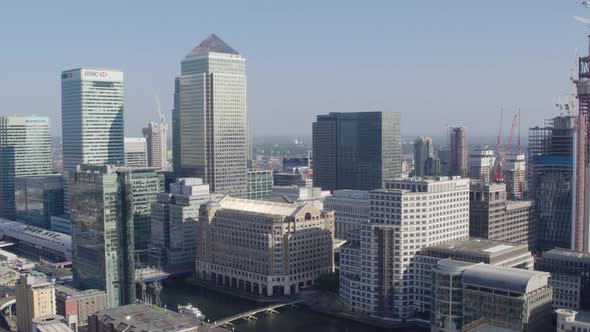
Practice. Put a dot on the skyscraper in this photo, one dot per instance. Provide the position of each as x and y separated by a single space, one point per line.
25 149
356 150
458 154
102 234
211 118
481 164
551 180
92 119
422 151
135 152
515 176
156 136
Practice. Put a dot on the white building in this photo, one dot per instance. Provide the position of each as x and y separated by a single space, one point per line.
92 119
351 210
299 195
406 216
25 145
174 220
211 117
481 164
571 320
135 152
156 136
515 176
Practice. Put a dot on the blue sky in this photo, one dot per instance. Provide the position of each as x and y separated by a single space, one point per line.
439 63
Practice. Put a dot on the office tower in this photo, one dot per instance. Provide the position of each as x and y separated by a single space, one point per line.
25 149
38 198
75 305
404 218
422 151
289 245
551 181
570 277
135 152
212 116
356 150
481 164
35 297
482 297
492 216
581 215
249 144
458 151
174 219
156 136
102 233
299 195
432 167
351 210
515 176
292 179
445 162
259 184
91 119
176 129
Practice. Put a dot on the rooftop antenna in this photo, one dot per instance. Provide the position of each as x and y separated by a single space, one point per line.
158 108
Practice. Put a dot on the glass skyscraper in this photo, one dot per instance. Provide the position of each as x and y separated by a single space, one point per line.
356 150
210 116
92 118
25 149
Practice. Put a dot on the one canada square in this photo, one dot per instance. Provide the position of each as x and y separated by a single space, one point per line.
210 117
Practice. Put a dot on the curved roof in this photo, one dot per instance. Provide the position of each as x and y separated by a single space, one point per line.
505 278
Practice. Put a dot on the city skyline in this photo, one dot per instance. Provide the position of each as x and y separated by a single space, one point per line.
511 46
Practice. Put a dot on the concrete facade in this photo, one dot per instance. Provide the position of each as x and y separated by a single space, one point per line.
351 210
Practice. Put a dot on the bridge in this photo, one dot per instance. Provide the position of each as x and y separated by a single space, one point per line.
251 315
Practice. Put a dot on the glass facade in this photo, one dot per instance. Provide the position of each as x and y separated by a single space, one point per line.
25 149
259 184
356 150
211 117
38 198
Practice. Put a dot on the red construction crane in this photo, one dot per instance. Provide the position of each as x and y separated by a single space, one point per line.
498 171
507 146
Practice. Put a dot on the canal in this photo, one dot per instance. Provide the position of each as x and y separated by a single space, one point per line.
216 306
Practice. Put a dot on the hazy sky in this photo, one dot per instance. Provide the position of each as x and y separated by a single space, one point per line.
436 62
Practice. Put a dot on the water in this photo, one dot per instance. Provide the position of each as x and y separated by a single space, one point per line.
216 306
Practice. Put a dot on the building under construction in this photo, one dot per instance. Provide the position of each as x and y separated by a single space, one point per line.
552 180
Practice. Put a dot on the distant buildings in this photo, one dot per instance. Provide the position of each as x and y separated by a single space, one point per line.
263 247
291 179
92 119
570 277
25 149
356 150
300 195
492 216
142 317
102 233
38 198
458 151
35 297
76 305
212 136
481 165
515 176
156 137
174 219
423 150
404 219
291 165
135 152
351 210
552 182
259 184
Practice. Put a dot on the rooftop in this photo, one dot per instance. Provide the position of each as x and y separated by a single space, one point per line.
567 254
482 247
211 44
580 316
505 278
76 293
263 207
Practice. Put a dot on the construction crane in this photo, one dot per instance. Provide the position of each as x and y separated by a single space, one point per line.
498 176
158 108
509 142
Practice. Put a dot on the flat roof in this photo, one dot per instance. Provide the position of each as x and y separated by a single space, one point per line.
482 247
567 254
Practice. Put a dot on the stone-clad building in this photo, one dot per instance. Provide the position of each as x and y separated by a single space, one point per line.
263 247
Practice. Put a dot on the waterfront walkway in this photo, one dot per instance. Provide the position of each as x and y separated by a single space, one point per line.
251 314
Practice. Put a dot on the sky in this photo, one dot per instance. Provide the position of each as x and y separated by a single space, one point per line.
438 63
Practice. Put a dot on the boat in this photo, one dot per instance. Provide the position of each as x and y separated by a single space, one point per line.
190 310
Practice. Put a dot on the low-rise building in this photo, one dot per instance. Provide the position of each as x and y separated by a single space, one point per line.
35 297
571 320
299 179
259 184
300 195
351 210
570 277
263 247
50 323
75 305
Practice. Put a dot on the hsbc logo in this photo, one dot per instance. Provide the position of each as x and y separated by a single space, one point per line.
95 74
66 75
